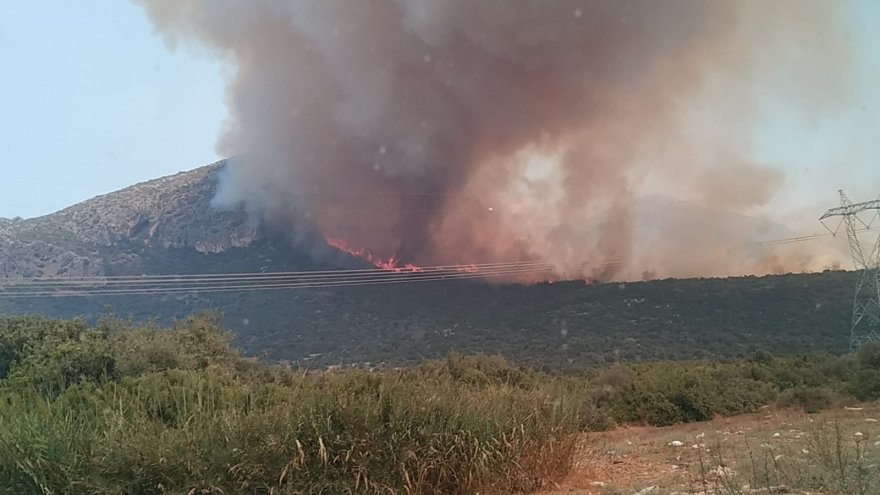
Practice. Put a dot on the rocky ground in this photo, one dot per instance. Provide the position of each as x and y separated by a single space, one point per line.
104 234
832 452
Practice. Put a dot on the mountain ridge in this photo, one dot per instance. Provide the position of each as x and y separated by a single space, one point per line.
104 234
100 236
169 226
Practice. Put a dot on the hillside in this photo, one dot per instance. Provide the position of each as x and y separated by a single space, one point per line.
105 235
558 326
169 226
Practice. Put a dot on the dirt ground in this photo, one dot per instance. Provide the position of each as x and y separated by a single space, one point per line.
766 452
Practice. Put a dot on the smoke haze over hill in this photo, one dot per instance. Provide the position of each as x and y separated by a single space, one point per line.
456 131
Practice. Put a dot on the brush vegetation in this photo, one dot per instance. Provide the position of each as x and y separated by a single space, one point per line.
564 326
122 408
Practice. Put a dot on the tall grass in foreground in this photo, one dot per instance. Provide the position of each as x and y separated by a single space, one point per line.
120 408
206 432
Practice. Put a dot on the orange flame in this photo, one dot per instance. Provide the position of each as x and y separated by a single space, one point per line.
391 264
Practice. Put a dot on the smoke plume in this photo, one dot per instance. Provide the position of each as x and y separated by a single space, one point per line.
457 131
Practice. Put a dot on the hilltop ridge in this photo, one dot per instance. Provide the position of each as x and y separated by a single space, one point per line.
169 226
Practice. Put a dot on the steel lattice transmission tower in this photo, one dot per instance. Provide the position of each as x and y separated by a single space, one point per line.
866 303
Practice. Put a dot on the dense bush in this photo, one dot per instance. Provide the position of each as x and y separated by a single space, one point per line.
180 430
811 399
24 337
120 408
140 411
561 326
668 393
869 356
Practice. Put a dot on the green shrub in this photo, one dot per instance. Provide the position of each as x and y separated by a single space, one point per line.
124 409
194 343
666 393
120 408
810 399
868 356
637 404
865 385
53 362
181 430
26 335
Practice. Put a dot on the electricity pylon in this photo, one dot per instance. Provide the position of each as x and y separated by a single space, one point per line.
866 303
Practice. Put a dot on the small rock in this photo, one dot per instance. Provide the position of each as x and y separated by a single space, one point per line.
776 435
722 472
676 443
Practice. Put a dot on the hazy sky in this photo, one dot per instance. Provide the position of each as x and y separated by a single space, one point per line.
91 100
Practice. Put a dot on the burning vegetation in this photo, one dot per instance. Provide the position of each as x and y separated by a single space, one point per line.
411 133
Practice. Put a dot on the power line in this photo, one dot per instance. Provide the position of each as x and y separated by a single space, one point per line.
284 285
865 322
266 280
221 277
808 237
376 279
274 285
304 279
310 275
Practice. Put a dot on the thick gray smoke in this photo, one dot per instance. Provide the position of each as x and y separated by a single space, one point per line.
456 131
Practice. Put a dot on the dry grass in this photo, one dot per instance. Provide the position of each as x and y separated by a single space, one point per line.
203 433
833 452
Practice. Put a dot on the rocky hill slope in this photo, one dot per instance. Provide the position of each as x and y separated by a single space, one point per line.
168 225
104 234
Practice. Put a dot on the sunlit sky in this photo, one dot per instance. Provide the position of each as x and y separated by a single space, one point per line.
92 100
